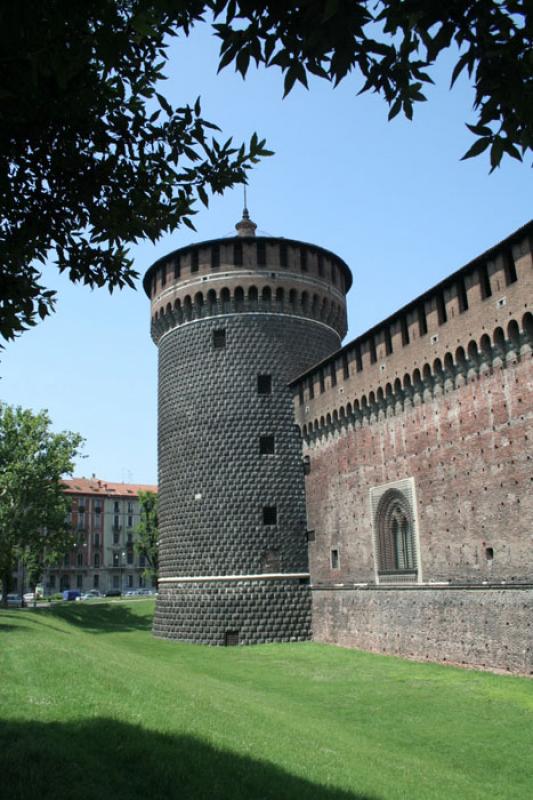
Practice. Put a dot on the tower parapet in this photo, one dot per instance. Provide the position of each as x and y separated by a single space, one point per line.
235 320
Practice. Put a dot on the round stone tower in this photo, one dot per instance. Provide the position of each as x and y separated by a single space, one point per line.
235 319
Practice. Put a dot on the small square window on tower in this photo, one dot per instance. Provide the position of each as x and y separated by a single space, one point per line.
264 384
335 561
266 445
270 515
219 338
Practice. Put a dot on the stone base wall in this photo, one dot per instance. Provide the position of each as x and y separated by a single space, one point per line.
259 611
481 627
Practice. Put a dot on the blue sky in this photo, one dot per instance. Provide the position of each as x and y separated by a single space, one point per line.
392 199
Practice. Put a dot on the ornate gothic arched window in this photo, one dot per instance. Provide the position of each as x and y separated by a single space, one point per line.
396 551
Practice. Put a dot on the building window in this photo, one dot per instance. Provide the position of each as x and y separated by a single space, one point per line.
79 581
96 560
163 275
116 582
116 537
510 269
322 381
219 339
130 581
66 561
303 259
270 515
333 374
311 387
130 507
142 561
116 508
321 265
215 256
97 540
129 557
52 582
266 445
489 553
264 384
261 253
116 560
96 581
194 261
79 560
335 561
177 266
142 582
130 521
396 552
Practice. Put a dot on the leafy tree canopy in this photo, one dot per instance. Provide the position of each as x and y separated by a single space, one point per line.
33 506
147 532
94 158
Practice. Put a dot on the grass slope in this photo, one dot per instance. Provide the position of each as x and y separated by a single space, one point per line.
93 707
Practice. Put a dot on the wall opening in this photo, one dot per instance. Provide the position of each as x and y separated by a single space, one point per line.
270 515
219 338
264 384
231 638
267 445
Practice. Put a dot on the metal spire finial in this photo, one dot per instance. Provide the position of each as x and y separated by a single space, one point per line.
246 227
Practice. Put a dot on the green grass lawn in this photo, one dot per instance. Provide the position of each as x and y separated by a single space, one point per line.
93 707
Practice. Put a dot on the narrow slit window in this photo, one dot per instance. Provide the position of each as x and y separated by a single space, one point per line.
261 253
219 339
311 387
270 515
345 366
372 349
333 374
422 321
335 560
462 296
264 384
358 358
163 275
303 259
405 330
484 282
322 381
388 341
194 261
215 256
510 269
321 265
267 445
441 309
177 266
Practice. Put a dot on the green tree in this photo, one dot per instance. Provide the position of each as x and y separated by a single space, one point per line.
94 158
147 533
33 506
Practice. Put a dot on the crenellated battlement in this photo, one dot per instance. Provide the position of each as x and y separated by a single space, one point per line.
248 275
474 321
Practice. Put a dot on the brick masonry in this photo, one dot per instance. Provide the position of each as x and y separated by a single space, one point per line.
478 627
449 407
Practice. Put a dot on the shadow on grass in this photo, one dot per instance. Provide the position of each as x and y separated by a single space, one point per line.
102 758
102 617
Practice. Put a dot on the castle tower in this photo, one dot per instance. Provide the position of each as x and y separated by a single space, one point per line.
235 319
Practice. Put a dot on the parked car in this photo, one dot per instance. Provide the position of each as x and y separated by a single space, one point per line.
92 594
29 597
113 593
14 600
71 594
